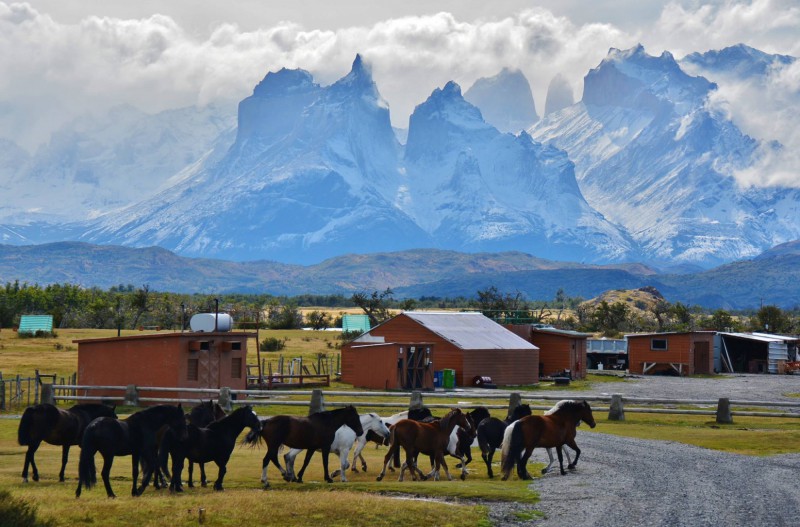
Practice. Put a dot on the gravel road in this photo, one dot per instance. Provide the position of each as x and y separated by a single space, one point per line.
631 482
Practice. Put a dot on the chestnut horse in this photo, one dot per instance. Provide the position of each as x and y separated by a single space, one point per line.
547 431
423 438
312 433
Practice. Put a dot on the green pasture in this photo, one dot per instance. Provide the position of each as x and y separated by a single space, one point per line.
361 501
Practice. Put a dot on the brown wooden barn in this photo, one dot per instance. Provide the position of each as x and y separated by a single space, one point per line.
685 353
388 366
181 360
560 350
469 343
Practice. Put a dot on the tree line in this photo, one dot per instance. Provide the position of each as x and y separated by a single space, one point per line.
130 307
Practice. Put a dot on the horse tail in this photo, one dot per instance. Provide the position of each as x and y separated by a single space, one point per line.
512 447
394 445
252 438
87 473
24 430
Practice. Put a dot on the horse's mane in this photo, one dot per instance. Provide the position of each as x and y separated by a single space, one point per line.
564 406
327 415
444 422
222 421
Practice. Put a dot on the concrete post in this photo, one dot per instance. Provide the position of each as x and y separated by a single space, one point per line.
617 411
317 402
48 394
225 398
131 395
514 400
416 400
724 416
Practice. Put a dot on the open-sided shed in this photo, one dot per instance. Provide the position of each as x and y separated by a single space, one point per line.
469 343
180 360
754 352
686 353
389 366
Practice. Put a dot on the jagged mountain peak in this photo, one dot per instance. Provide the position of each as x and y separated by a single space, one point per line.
285 81
739 60
633 78
505 100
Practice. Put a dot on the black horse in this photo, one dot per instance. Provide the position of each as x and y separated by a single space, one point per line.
467 437
490 433
200 416
135 436
45 422
212 443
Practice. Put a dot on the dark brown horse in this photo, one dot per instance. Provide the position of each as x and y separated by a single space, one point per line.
546 431
45 422
416 438
312 433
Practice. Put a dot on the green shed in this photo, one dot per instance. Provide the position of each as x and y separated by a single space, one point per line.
33 323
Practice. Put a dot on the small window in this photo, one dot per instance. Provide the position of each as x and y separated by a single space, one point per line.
658 344
192 369
236 368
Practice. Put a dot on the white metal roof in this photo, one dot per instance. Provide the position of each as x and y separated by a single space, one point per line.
760 337
470 330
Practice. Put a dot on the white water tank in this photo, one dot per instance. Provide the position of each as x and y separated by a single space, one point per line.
207 322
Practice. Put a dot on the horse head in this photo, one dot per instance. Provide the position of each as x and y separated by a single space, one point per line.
586 414
177 422
520 411
455 418
251 419
372 422
353 420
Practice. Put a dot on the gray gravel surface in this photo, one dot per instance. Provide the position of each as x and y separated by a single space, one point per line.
631 482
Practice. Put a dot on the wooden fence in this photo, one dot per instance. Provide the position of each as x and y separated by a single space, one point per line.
616 405
19 392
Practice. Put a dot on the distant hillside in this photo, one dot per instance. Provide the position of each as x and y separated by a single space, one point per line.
771 278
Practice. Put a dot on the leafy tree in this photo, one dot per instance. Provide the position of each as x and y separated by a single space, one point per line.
610 319
772 319
318 319
374 305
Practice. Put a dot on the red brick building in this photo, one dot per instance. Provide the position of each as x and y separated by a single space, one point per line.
469 343
686 353
180 360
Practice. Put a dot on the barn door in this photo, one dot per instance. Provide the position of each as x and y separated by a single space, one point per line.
208 369
701 358
415 368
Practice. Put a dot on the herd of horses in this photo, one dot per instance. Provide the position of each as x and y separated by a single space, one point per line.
153 436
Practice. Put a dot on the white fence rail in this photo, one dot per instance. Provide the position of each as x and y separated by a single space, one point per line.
617 404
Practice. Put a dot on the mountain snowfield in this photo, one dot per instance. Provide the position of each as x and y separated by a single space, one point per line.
642 168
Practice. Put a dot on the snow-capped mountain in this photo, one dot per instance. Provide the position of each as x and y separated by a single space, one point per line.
473 187
559 95
505 100
316 172
651 156
735 61
97 164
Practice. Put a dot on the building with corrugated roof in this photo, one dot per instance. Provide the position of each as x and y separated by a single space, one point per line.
469 343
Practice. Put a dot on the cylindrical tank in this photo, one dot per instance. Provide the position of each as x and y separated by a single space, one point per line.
207 322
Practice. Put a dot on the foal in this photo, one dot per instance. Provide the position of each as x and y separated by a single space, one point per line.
423 438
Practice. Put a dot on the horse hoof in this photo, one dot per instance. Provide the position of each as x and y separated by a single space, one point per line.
328 480
266 486
571 467
544 471
36 477
463 477
379 478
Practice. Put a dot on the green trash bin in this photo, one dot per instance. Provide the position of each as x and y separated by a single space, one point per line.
448 378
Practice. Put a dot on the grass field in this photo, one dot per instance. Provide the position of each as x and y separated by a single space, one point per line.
362 501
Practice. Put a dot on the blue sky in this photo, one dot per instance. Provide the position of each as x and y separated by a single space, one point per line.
59 59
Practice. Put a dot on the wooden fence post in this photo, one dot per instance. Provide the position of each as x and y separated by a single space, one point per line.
416 400
724 411
514 400
616 412
48 394
2 394
317 402
131 395
225 398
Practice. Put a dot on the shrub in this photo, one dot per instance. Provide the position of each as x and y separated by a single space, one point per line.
15 512
272 344
39 334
